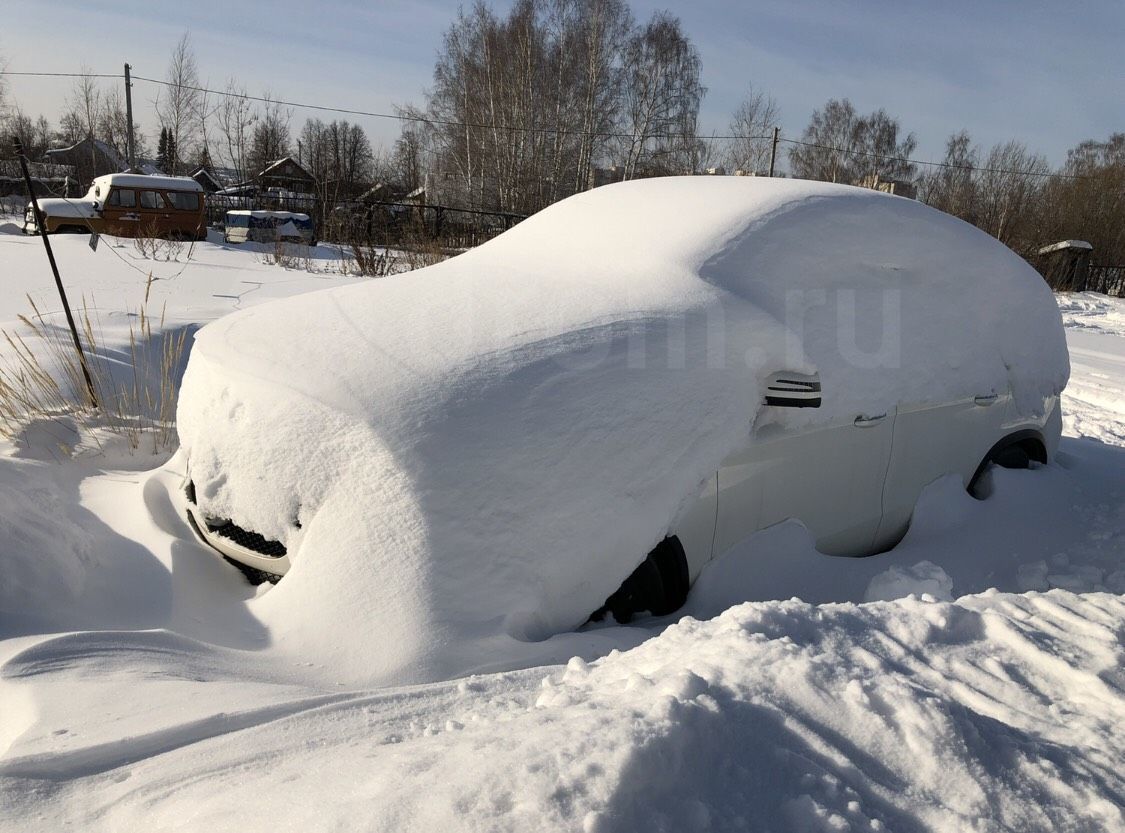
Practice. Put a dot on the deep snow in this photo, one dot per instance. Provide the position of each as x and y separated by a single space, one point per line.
139 689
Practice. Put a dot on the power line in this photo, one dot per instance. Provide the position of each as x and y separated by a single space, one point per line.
554 131
62 74
950 165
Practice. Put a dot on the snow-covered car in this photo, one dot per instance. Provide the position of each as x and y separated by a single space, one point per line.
577 416
127 205
268 227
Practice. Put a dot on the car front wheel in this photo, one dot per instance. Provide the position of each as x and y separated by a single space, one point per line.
658 586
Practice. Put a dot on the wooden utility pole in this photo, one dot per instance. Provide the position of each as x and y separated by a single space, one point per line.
42 226
773 150
130 148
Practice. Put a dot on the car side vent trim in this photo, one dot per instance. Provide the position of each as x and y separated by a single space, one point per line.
793 390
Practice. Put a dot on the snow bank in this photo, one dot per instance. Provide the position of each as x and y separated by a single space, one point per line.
993 713
481 452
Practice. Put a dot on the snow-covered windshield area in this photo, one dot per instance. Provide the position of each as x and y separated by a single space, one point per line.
469 459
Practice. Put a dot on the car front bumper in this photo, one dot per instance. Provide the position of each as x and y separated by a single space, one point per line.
240 545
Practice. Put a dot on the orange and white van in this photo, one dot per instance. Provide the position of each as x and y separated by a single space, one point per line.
128 205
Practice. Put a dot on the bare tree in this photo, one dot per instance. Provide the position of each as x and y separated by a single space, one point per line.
1089 204
839 145
70 130
662 94
34 135
752 123
827 144
269 140
208 107
339 157
179 105
953 186
882 151
1009 185
236 118
113 126
409 157
80 120
524 107
603 27
85 103
4 115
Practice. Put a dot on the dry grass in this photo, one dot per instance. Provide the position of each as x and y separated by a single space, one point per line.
415 251
41 379
153 246
290 255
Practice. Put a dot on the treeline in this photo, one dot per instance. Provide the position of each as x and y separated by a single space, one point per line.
233 132
1007 190
556 96
1014 195
574 83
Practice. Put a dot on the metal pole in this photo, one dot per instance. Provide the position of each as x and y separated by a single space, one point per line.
55 270
773 150
130 148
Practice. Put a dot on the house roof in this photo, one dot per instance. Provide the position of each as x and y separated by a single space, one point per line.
103 147
1066 244
149 167
277 163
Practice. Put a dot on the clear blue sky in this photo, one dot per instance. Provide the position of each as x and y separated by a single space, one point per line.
1049 74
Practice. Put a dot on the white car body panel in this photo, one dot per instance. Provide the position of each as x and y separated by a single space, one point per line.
854 486
696 528
932 440
830 478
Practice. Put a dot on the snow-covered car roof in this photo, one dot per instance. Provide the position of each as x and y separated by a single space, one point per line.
169 183
262 215
475 455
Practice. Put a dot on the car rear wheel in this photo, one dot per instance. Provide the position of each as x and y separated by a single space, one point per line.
658 586
1016 452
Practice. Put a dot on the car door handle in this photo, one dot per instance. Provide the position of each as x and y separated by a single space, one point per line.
985 401
865 421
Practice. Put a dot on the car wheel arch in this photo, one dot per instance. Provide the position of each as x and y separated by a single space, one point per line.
1028 441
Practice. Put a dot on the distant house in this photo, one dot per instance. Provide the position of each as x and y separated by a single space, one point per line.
889 186
89 158
287 174
92 158
415 197
380 192
213 179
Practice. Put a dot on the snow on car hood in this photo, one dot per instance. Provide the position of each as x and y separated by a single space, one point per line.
471 457
57 207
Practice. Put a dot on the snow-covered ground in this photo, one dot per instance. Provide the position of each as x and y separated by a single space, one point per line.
139 691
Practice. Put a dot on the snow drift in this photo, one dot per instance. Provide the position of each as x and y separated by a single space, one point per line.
478 454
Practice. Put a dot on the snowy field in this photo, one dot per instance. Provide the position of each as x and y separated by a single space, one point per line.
970 679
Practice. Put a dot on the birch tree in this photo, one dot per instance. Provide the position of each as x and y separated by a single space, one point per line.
179 103
236 117
752 124
661 97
